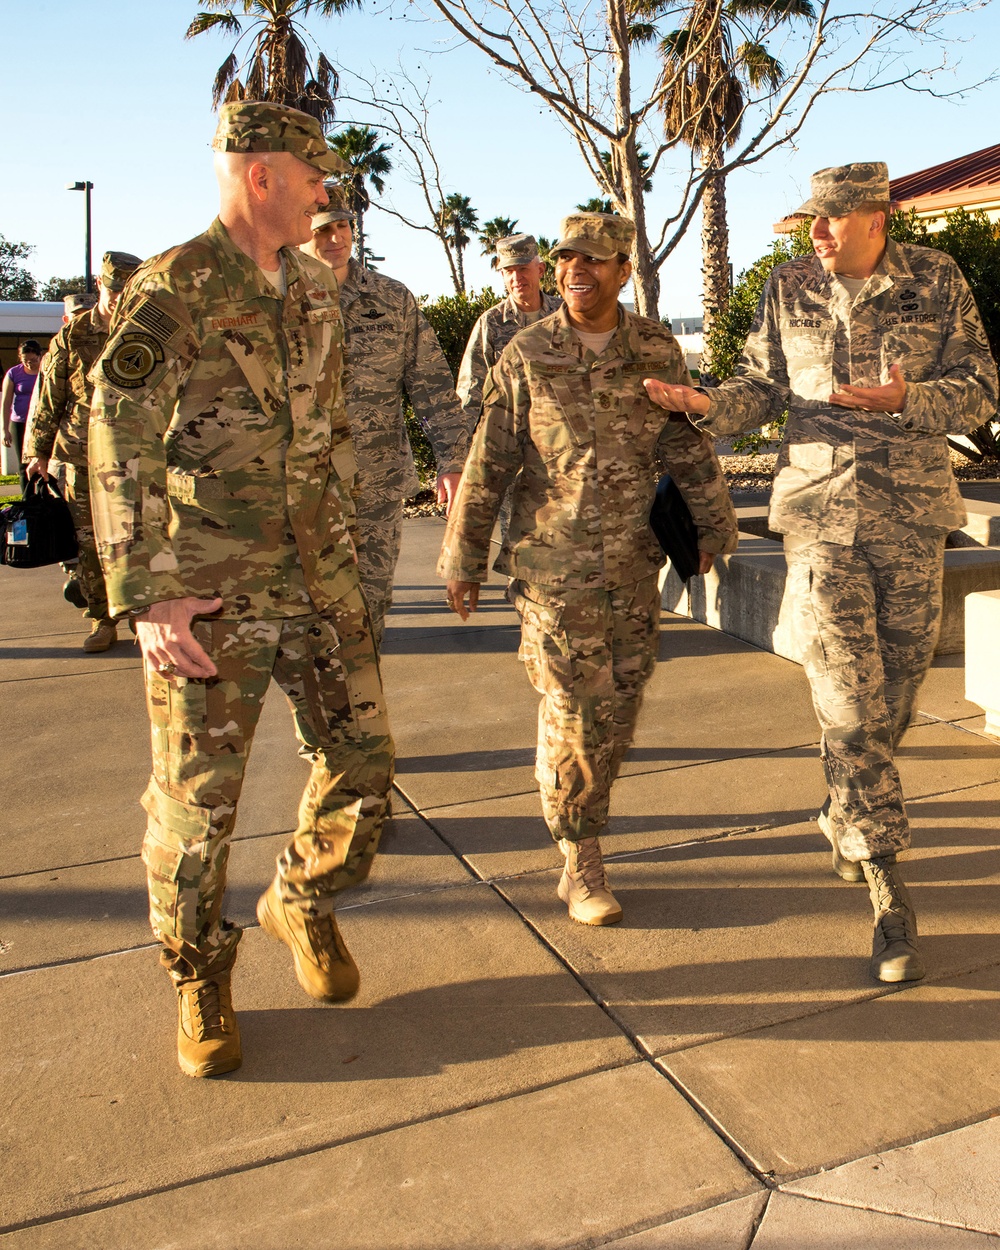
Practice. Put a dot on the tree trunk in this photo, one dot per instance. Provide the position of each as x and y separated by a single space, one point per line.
625 171
460 264
359 235
714 250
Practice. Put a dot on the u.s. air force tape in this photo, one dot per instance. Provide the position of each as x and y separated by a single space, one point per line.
132 359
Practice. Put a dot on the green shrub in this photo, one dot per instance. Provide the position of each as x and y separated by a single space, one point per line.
452 318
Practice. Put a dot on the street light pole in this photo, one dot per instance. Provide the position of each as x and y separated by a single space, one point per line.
86 187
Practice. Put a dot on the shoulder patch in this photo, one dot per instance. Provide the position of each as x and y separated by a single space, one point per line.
154 320
132 359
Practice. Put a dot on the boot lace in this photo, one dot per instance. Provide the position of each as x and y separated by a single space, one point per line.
892 910
323 938
590 865
207 1009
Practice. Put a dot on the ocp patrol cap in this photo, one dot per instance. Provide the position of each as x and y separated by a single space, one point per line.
338 209
259 126
601 235
516 249
841 189
117 268
78 302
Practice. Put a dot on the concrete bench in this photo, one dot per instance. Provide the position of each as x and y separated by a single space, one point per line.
744 595
982 529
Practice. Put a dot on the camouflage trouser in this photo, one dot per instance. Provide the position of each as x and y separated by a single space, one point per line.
866 619
589 654
88 569
380 533
202 732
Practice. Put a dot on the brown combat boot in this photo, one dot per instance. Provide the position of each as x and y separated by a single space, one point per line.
844 868
895 956
323 964
208 1035
583 887
103 636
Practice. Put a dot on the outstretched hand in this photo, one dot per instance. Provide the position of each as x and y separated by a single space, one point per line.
888 398
676 398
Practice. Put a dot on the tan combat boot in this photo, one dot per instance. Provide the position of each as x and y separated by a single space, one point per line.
842 867
208 1036
103 636
895 956
323 964
583 887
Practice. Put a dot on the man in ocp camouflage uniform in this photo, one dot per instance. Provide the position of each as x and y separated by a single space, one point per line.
521 269
59 423
878 351
566 419
221 471
392 355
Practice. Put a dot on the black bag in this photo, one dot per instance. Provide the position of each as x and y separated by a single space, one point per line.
670 520
38 529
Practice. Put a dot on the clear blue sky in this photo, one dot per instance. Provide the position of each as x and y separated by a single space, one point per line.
109 91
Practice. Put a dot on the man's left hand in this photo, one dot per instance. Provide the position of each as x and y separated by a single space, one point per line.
888 398
447 489
705 561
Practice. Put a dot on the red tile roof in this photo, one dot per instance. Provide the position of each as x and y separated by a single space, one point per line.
975 172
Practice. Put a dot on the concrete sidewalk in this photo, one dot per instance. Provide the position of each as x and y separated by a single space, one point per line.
716 1072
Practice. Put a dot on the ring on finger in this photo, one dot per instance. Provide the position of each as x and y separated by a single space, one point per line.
167 669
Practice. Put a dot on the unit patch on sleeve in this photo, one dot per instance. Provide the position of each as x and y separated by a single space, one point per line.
132 359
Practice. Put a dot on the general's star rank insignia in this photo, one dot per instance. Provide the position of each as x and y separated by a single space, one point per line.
132 359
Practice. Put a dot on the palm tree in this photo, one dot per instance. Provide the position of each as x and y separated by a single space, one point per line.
493 231
458 217
709 64
545 256
595 205
277 66
361 148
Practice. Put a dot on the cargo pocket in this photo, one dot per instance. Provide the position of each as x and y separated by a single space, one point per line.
544 648
183 858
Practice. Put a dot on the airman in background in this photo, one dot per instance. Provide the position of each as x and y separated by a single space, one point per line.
392 356
222 472
521 269
59 423
566 421
877 351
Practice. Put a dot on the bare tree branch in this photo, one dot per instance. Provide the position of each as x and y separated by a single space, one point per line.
578 56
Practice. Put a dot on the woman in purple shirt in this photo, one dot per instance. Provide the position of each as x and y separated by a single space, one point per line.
15 400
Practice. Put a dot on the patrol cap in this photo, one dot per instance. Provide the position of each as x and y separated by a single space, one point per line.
595 234
259 126
338 209
117 268
79 302
516 249
841 189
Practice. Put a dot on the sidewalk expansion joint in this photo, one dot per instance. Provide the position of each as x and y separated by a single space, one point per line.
306 1151
643 1053
837 1201
79 959
122 668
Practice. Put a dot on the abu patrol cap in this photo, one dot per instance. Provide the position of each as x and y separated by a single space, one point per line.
602 235
841 189
259 126
516 249
78 302
338 209
117 268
